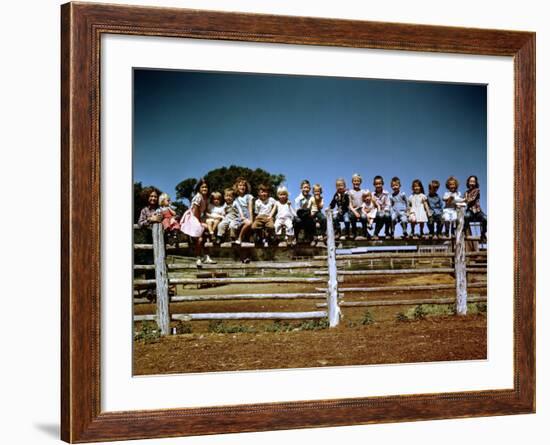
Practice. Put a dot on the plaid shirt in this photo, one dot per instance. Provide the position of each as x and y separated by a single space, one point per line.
383 200
472 200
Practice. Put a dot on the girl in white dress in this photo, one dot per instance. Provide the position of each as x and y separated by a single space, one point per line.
285 216
418 207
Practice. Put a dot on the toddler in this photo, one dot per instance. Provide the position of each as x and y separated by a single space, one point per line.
369 208
170 222
451 197
230 219
285 217
214 213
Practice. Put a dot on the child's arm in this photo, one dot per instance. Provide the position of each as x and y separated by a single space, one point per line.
334 201
292 210
410 210
427 207
354 209
273 211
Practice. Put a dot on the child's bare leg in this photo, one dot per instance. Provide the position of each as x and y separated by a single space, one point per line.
244 230
215 225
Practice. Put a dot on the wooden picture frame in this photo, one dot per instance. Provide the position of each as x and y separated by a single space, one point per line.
82 26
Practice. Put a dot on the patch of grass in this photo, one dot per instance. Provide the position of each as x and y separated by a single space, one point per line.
278 326
480 307
183 327
309 325
147 333
419 313
219 327
401 317
367 318
423 311
314 325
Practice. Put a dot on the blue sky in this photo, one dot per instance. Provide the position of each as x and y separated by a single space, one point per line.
307 127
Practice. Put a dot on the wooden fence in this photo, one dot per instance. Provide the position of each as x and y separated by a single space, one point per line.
162 283
329 276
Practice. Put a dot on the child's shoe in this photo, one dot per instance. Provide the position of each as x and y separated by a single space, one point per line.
199 263
208 260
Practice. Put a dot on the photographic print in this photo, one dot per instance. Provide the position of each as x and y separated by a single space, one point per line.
286 221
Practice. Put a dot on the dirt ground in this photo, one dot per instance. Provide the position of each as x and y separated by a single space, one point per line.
371 335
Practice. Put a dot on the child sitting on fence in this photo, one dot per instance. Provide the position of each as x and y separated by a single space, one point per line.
340 202
315 206
451 197
231 220
284 218
192 222
245 203
399 206
170 222
436 206
303 221
418 208
383 216
369 208
214 213
150 214
473 208
355 205
265 208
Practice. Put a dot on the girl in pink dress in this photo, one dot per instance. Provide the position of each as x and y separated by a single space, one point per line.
192 222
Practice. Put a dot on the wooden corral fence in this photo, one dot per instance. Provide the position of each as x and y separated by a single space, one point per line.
458 263
162 281
328 273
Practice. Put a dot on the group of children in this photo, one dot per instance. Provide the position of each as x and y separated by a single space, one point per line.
237 214
385 210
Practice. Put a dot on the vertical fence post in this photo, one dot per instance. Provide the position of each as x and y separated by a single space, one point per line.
161 277
460 264
332 293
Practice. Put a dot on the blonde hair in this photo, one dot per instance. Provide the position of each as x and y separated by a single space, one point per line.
282 190
367 193
318 187
163 197
342 180
356 175
215 195
451 179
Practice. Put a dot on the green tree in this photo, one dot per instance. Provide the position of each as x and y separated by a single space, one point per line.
185 189
224 177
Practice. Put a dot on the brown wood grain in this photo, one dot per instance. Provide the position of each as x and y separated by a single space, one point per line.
81 28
